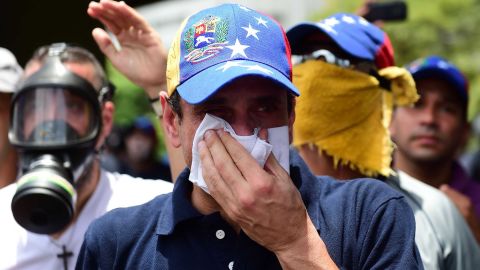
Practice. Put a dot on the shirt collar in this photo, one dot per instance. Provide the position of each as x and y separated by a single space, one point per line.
178 206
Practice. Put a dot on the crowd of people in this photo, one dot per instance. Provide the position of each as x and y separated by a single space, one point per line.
299 149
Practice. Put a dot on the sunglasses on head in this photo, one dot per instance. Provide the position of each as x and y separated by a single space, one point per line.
330 58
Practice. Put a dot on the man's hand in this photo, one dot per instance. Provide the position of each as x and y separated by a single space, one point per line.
262 201
142 57
465 206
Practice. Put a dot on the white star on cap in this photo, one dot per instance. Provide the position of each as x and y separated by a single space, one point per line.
251 31
331 21
348 19
261 69
261 21
362 21
238 49
442 65
244 8
327 28
228 65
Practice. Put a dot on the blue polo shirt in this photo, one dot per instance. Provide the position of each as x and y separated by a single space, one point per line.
364 224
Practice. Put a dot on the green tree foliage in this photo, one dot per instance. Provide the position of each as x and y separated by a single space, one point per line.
131 102
448 28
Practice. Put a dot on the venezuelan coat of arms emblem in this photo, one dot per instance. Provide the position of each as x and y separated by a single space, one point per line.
205 38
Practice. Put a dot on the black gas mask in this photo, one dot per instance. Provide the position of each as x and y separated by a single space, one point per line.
56 119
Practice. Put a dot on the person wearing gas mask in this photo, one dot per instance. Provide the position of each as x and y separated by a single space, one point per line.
344 68
10 73
61 114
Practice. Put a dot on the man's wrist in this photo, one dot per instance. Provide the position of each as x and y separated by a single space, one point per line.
156 106
309 252
153 93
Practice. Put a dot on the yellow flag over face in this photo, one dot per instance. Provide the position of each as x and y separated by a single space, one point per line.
345 113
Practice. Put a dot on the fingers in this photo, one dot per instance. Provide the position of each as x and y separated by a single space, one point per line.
129 16
106 16
211 175
103 41
263 134
463 203
454 195
224 164
247 165
117 16
272 166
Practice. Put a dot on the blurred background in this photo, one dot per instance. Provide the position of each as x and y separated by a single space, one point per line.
443 27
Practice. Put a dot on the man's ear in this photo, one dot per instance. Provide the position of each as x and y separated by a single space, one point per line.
170 122
108 110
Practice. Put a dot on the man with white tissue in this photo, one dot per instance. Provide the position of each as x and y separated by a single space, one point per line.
257 147
233 63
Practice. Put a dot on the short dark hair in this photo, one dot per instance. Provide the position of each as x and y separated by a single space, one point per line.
174 102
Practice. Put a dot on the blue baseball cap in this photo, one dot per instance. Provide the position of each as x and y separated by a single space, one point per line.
217 45
143 124
352 33
436 66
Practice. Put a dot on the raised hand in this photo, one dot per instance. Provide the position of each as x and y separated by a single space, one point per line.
142 57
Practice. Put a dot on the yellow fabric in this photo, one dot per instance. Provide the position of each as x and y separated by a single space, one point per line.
403 91
344 113
173 61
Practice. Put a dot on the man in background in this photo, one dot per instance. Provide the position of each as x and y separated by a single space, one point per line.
139 159
430 135
10 73
63 99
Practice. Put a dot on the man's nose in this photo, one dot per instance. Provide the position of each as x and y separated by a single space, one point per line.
428 115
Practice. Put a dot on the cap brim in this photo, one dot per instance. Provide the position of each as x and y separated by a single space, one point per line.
454 80
350 45
206 83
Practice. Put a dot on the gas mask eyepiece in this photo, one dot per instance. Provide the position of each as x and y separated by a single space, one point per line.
55 123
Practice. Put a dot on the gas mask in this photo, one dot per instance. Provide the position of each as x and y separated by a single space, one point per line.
55 123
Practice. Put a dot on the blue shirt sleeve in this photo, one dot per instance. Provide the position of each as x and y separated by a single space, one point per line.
389 241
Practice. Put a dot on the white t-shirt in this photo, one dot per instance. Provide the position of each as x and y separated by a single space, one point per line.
21 249
442 235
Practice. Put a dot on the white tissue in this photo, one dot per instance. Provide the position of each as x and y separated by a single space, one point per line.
258 148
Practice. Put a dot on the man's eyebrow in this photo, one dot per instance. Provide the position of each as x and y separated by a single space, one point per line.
268 99
209 103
